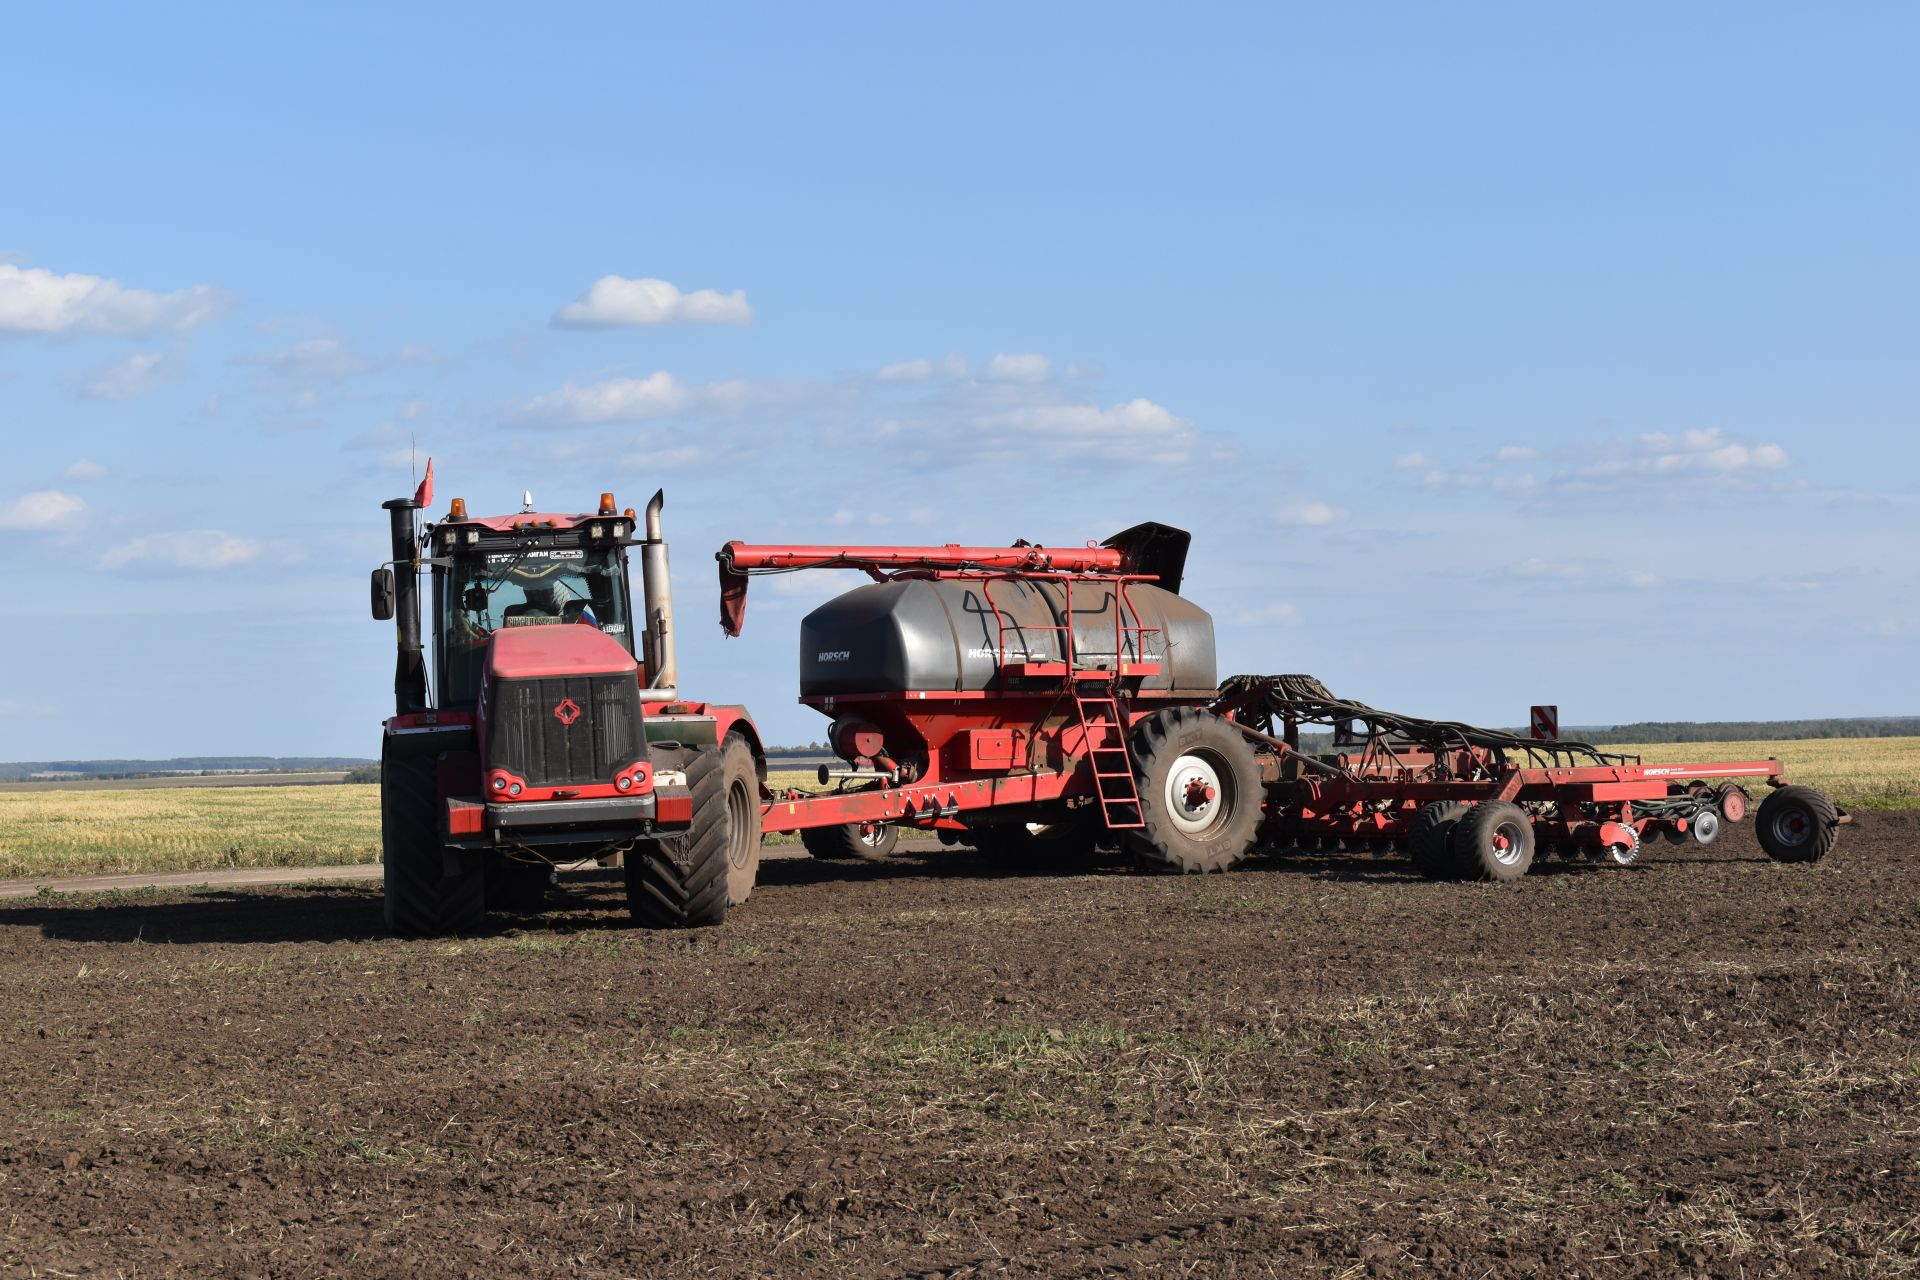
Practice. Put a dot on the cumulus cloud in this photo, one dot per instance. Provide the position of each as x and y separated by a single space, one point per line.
658 395
34 300
40 509
198 549
917 406
86 469
127 379
1027 367
614 302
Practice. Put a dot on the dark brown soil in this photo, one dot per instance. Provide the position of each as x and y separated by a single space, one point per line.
1707 1065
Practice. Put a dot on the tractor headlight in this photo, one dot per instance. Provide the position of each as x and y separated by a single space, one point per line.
625 783
514 790
499 784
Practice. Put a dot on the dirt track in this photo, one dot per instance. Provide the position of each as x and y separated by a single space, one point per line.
1706 1065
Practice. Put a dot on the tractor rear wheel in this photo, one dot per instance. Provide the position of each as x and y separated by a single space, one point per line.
1494 841
681 882
742 782
1428 834
422 900
868 841
1797 824
1200 793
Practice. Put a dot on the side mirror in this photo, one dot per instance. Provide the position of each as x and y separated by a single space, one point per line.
383 593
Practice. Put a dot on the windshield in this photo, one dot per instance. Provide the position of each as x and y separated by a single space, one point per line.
532 586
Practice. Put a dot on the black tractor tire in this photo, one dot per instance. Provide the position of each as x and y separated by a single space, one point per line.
1428 834
849 842
681 882
1797 824
1071 844
519 888
1172 748
422 900
741 780
1493 841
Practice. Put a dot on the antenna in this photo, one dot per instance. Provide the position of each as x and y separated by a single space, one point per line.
526 501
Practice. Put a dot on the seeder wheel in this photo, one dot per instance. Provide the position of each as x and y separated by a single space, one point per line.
1494 841
1427 837
1797 824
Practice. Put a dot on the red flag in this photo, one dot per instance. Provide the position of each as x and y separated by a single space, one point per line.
424 494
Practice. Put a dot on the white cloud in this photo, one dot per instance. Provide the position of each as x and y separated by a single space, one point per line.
1664 457
204 549
1278 611
657 395
1027 367
1413 462
127 379
86 469
614 302
35 300
1515 453
1311 514
907 371
327 359
40 509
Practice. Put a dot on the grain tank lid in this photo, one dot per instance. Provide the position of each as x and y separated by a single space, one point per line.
1156 549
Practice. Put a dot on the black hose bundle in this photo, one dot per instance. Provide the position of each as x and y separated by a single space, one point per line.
1258 701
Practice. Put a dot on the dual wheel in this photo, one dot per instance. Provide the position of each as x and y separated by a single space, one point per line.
685 881
1451 840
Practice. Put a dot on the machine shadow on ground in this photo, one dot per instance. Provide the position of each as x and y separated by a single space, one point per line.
593 900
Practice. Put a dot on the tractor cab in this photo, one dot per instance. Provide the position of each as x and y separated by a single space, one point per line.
499 574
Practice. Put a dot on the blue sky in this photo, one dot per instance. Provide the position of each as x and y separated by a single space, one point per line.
1493 353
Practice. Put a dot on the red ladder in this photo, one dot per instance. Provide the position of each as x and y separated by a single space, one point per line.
1106 739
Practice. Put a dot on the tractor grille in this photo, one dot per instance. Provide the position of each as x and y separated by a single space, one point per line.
535 733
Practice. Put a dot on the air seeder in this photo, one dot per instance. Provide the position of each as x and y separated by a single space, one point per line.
1037 702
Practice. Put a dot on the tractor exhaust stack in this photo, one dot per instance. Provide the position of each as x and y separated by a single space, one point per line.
410 668
657 643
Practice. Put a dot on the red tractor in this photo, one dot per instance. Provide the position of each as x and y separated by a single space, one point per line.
547 727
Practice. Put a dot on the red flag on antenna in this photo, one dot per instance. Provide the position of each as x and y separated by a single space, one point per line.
424 494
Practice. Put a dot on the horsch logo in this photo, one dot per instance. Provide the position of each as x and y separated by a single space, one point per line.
835 655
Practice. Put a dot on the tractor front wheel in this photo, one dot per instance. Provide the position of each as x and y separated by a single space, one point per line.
422 900
681 882
1200 793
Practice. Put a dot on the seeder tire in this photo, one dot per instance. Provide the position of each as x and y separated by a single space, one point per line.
1493 841
1171 749
1427 837
421 899
1797 824
741 782
681 882
846 842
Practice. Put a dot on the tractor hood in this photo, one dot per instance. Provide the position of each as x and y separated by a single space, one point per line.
566 649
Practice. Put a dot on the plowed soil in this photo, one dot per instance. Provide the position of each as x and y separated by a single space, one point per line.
1705 1065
